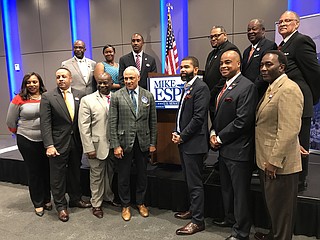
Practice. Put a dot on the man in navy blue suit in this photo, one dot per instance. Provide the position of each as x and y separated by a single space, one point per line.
191 136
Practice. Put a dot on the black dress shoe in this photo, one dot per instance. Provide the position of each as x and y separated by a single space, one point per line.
63 215
80 204
262 236
39 213
47 206
190 228
223 223
97 211
183 215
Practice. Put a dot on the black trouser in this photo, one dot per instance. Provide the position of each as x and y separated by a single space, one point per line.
37 164
304 138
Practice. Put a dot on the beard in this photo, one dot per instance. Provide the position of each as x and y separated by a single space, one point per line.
186 77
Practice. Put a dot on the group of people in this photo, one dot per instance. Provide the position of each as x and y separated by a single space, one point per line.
104 111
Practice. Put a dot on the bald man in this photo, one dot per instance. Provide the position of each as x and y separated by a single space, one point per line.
232 134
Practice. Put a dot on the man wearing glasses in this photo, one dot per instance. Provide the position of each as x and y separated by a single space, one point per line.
303 68
220 44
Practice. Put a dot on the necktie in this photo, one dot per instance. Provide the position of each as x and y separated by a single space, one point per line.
138 65
68 104
250 53
280 45
108 97
220 94
132 93
267 95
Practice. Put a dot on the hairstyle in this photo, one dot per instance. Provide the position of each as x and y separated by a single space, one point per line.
295 15
138 35
24 91
84 45
64 68
193 59
132 68
220 27
260 22
281 57
108 46
104 75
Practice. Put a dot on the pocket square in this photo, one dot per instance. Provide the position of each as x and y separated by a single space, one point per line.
76 98
228 99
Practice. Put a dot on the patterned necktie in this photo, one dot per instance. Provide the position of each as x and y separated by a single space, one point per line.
220 94
250 53
68 104
138 64
132 93
108 97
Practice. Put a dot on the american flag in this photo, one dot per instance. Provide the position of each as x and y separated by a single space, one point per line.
171 50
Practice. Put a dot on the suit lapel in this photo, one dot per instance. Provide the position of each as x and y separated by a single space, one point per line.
228 90
59 98
127 98
76 67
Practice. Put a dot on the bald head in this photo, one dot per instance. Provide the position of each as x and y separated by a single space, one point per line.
79 48
230 64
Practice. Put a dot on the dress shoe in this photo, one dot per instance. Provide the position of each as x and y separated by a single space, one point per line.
223 223
39 211
262 236
63 215
190 228
126 214
48 206
80 204
97 211
236 238
144 212
183 215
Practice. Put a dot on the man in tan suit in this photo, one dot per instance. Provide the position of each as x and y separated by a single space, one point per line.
93 125
277 145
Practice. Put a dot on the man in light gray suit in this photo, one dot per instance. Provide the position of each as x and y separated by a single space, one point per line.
81 69
133 135
93 125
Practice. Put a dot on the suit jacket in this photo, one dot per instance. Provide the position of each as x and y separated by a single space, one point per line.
278 126
303 68
125 125
234 119
57 128
194 119
78 81
212 75
148 64
93 125
251 69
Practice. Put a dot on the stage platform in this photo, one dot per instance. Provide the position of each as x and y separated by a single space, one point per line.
167 189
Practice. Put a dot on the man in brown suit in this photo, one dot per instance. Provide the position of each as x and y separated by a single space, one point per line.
277 145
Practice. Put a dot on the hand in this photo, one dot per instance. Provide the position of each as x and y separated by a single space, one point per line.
52 152
270 170
118 152
304 153
92 155
176 138
214 142
152 149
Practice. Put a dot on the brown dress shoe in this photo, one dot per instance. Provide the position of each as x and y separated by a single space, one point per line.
183 215
126 214
190 228
144 212
80 204
97 211
63 215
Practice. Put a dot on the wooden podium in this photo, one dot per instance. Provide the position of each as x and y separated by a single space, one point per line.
167 151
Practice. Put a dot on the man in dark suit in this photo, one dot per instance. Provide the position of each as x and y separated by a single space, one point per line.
192 137
60 133
133 135
220 44
303 68
232 133
139 59
253 54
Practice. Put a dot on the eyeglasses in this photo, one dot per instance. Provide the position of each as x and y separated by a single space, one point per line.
286 21
216 36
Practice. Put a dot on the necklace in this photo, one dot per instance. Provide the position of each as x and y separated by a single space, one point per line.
34 97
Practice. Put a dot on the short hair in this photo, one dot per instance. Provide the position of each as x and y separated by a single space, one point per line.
64 68
220 27
295 14
108 46
132 68
138 35
281 57
194 60
104 75
259 21
78 40
24 91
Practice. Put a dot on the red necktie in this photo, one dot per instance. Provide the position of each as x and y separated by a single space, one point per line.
280 45
138 65
108 97
220 94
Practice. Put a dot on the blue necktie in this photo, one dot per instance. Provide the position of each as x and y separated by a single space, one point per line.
132 92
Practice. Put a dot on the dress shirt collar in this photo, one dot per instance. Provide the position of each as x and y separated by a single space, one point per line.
80 60
189 84
136 90
135 54
287 38
68 90
231 80
277 80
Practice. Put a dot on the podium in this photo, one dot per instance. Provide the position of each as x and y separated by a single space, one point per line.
167 151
